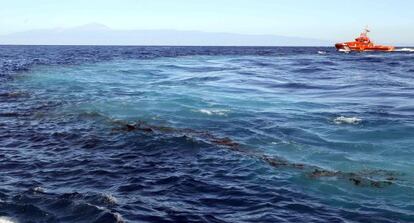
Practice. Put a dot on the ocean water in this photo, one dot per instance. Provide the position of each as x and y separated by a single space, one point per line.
205 134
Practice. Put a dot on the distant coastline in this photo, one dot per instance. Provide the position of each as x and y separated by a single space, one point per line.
96 34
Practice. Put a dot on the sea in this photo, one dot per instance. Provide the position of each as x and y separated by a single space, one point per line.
205 134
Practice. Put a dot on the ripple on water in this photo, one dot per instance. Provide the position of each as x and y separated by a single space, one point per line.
176 134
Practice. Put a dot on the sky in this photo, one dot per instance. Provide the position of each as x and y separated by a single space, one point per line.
391 21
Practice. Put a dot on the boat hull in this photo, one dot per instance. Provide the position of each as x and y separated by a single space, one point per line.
355 46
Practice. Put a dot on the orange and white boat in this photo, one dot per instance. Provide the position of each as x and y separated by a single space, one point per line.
362 43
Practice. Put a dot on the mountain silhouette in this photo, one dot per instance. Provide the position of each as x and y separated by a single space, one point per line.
98 34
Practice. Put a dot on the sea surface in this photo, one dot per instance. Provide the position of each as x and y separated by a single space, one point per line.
205 134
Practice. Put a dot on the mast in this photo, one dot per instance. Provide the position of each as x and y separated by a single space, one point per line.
365 32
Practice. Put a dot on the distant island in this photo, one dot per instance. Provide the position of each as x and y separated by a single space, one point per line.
98 34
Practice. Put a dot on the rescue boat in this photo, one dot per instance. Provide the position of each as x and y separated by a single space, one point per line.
362 43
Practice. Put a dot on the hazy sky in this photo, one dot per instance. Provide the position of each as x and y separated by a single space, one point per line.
390 20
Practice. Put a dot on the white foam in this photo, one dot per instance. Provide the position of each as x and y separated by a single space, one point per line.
7 220
405 50
110 199
322 52
118 217
39 189
220 112
347 120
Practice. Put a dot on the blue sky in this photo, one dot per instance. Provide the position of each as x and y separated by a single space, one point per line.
390 21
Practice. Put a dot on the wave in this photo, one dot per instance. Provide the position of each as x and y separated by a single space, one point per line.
219 112
308 101
7 220
309 70
53 207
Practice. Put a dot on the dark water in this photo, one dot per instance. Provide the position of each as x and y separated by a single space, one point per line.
205 134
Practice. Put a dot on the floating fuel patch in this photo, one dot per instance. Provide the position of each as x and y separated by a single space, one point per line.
373 178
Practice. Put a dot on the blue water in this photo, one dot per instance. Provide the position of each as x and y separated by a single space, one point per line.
205 134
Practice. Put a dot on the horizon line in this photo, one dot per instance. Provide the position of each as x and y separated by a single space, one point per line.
241 46
122 45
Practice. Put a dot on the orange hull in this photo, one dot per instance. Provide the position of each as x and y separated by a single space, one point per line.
362 43
357 46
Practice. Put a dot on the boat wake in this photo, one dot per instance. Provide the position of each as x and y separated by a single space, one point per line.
405 50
